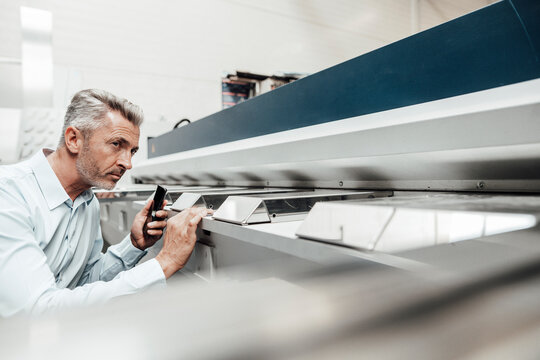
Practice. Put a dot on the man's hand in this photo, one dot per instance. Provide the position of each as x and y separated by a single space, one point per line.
144 231
180 239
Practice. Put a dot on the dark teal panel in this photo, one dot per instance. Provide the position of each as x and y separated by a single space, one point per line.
494 46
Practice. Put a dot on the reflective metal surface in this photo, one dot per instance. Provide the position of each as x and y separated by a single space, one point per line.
213 198
393 229
242 210
252 209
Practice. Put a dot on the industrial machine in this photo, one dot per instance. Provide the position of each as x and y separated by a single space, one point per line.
386 207
397 153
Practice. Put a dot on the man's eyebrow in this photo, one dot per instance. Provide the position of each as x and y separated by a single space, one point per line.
123 141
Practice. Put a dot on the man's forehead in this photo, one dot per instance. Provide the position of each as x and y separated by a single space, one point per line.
115 126
116 121
111 115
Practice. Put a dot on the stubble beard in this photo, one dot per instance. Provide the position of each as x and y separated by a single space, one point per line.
88 169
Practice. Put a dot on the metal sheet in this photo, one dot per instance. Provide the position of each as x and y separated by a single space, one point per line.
187 200
393 229
241 209
212 199
252 209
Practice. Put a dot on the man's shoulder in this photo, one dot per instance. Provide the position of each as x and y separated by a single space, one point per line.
15 171
15 176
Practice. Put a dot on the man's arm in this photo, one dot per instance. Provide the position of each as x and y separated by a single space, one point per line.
106 266
125 255
28 285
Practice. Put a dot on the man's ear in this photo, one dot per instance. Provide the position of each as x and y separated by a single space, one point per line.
74 139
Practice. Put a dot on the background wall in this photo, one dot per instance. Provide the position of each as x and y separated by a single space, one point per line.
169 56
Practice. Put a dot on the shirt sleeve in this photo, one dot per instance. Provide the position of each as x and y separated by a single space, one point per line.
27 283
51 298
105 267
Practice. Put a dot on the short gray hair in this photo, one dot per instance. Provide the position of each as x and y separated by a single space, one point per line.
89 107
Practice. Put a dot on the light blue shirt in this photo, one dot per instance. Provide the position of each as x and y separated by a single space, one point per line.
50 246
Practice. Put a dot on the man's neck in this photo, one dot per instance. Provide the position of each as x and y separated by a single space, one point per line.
64 166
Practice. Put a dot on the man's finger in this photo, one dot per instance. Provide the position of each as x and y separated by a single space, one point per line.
162 214
196 219
147 207
192 211
157 224
204 211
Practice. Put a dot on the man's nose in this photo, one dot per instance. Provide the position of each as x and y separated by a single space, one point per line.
124 160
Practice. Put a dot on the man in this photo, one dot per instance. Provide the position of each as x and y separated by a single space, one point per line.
50 237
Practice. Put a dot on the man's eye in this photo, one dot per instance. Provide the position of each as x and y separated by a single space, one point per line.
115 143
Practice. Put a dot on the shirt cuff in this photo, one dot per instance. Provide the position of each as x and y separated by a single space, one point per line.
127 252
147 274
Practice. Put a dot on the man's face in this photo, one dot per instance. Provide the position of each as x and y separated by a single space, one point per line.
107 152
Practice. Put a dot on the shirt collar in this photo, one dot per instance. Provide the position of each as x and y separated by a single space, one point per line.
53 191
87 196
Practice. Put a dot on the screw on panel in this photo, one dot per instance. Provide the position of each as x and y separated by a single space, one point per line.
341 183
480 185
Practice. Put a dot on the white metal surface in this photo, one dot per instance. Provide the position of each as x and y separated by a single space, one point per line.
242 210
392 229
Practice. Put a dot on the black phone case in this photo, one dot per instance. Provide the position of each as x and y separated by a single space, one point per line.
159 196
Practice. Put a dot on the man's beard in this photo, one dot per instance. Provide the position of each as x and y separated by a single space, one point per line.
88 169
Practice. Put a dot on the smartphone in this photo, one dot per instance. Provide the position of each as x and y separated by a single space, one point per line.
159 196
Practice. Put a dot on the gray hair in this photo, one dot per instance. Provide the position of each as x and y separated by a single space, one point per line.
89 107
